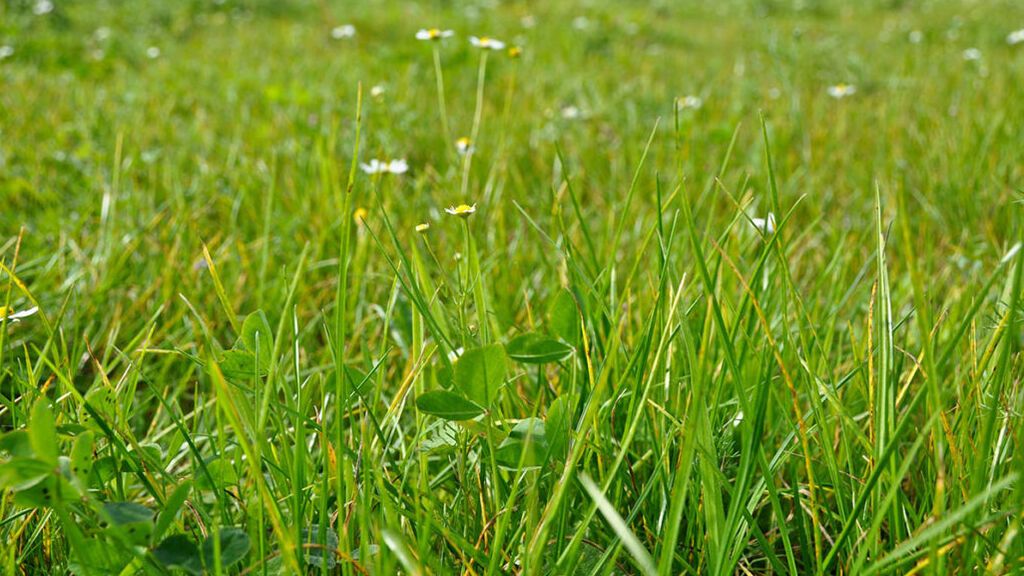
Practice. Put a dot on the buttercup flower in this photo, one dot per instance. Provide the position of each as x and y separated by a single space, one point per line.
12 316
360 214
515 52
462 210
764 225
464 145
840 91
376 166
486 43
343 31
433 34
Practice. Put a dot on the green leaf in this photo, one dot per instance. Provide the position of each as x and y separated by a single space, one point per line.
557 428
252 351
564 317
133 521
234 545
179 552
480 372
223 472
319 556
172 505
527 444
15 444
124 513
447 405
533 348
22 473
42 431
82 458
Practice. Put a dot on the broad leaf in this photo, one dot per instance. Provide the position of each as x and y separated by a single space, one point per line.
447 405
42 431
234 545
532 348
480 373
179 552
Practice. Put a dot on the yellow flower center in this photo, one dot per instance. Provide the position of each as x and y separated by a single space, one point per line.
434 33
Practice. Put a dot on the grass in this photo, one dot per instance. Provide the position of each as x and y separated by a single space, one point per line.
247 359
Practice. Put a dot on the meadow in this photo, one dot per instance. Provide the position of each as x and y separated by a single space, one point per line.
587 287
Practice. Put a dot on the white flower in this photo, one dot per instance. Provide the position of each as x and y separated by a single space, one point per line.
343 31
691 102
764 225
377 91
571 112
6 51
464 145
972 55
153 52
1015 37
486 43
915 36
737 419
840 91
42 7
580 23
376 166
462 210
455 354
102 33
528 21
10 316
433 34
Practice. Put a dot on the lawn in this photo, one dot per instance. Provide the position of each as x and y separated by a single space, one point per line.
586 287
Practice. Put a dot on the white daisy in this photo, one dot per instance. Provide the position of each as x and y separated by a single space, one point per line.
691 102
42 7
343 31
764 225
571 112
840 91
376 166
11 316
972 55
486 43
434 34
464 145
1015 37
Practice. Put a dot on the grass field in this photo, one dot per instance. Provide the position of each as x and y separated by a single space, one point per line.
659 288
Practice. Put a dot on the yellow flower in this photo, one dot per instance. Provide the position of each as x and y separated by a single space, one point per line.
422 227
515 52
360 214
462 210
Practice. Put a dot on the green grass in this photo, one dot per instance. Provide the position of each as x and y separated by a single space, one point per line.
247 359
